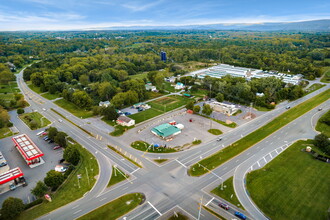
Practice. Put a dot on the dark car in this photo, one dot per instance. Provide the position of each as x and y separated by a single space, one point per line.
224 205
61 160
3 164
45 138
50 141
288 107
127 113
240 215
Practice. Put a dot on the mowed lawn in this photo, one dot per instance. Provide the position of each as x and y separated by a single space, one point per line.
49 96
323 127
36 117
293 186
160 106
77 111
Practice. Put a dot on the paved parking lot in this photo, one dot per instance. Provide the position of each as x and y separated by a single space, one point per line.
14 159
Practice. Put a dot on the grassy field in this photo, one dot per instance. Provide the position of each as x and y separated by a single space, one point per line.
11 87
40 120
119 130
5 132
322 126
227 193
292 186
116 176
145 115
168 86
69 191
326 75
115 208
143 146
314 87
77 111
215 131
160 106
239 146
50 96
139 76
33 87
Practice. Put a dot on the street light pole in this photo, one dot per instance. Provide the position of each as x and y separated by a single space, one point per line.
200 208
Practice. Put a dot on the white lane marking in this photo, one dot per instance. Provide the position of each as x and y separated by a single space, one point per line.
209 201
77 212
75 206
258 163
135 170
181 163
154 208
103 199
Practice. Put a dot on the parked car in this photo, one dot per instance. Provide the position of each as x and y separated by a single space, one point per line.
240 215
45 137
224 205
127 113
12 186
57 147
50 141
44 133
61 160
3 164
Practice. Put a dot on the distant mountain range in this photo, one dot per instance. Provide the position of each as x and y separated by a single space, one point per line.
314 25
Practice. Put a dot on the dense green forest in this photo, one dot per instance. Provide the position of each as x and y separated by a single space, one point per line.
88 67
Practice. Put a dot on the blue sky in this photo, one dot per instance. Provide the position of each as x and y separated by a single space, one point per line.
85 14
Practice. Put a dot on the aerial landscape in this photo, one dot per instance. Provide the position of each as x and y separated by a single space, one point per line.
143 110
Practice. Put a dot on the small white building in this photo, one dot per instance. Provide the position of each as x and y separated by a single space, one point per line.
179 86
104 104
125 121
223 108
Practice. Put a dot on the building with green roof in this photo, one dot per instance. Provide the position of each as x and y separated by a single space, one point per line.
166 131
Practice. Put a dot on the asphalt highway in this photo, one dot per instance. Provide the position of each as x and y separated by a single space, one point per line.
166 186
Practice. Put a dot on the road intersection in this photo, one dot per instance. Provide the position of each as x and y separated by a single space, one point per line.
167 186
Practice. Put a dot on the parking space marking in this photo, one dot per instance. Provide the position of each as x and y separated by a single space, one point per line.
154 208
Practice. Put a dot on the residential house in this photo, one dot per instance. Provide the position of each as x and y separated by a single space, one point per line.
125 121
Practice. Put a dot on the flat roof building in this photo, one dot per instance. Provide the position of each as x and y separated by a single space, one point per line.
165 130
10 175
29 151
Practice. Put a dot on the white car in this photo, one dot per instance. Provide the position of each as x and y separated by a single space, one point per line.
43 109
60 120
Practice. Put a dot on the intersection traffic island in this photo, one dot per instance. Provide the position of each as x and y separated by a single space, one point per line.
29 151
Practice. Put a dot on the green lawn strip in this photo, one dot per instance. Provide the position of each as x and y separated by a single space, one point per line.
160 160
213 212
168 86
69 191
228 193
117 176
40 120
5 132
34 88
323 127
239 146
238 112
115 208
123 155
179 216
145 115
119 130
83 129
292 186
215 131
50 96
313 88
77 111
231 125
326 75
143 146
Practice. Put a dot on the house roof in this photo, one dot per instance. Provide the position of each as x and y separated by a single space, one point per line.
124 119
165 130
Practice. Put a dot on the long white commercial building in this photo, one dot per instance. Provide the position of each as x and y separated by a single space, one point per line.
225 69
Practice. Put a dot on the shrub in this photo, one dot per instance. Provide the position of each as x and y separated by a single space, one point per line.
34 203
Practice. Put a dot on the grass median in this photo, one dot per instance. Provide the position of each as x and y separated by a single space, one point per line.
322 126
239 146
34 120
117 176
116 208
292 186
69 191
144 146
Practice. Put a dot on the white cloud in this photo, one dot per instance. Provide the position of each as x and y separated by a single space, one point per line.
141 7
